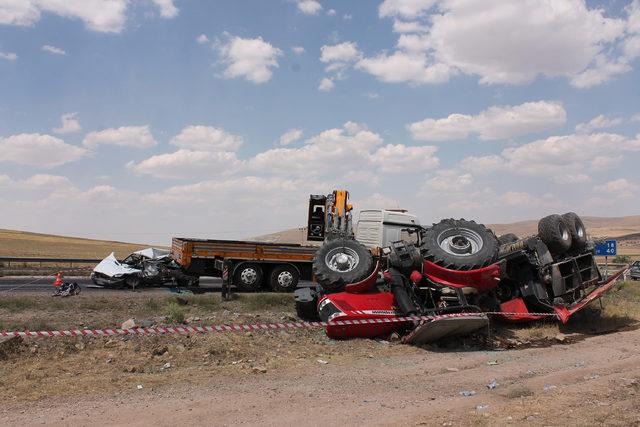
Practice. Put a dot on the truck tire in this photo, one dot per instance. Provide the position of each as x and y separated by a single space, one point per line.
340 262
458 244
284 278
248 277
577 230
554 232
507 238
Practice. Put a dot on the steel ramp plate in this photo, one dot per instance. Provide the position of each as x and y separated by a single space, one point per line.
446 326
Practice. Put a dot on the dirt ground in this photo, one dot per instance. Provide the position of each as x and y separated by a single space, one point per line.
589 374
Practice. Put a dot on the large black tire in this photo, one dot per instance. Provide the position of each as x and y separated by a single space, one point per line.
307 304
458 244
507 238
555 233
577 230
284 278
333 272
248 277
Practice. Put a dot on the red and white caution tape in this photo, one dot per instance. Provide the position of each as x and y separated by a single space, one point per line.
239 328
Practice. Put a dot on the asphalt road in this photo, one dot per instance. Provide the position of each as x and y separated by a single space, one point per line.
14 284
45 284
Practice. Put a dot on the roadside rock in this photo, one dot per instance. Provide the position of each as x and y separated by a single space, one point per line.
9 345
129 324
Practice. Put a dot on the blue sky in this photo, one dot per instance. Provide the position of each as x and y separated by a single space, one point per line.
139 120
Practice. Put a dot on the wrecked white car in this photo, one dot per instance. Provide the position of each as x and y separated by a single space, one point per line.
147 267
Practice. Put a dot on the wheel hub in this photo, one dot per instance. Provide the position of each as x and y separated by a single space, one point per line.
248 276
342 259
285 279
460 241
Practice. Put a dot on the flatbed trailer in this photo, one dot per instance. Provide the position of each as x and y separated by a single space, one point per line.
248 265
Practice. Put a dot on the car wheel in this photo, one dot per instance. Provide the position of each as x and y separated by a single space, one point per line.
133 282
284 278
248 277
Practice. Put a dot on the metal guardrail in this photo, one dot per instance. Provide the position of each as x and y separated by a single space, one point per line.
37 260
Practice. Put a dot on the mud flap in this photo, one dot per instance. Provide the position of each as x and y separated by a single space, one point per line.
444 326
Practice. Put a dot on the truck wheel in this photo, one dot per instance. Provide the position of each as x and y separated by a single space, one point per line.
248 277
577 230
133 281
458 244
555 234
284 278
507 238
340 262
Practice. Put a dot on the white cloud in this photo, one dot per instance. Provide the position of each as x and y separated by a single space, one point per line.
68 123
54 50
400 26
202 39
482 165
372 95
34 149
326 84
635 118
108 16
43 181
567 159
599 122
125 136
298 50
619 188
251 59
405 67
167 8
339 151
98 15
19 12
498 122
309 7
400 158
206 138
569 154
290 136
447 181
505 44
183 164
9 56
331 12
409 9
342 52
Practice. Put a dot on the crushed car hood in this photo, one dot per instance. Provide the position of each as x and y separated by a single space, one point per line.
153 253
110 266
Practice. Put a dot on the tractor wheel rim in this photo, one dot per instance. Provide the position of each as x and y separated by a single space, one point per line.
249 276
285 279
342 260
460 241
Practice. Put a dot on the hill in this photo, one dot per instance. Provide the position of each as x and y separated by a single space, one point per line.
26 244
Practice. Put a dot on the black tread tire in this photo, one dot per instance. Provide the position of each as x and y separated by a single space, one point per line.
133 281
505 239
551 231
575 224
434 253
307 311
333 281
253 287
273 280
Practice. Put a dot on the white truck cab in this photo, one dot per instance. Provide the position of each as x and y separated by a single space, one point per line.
377 228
